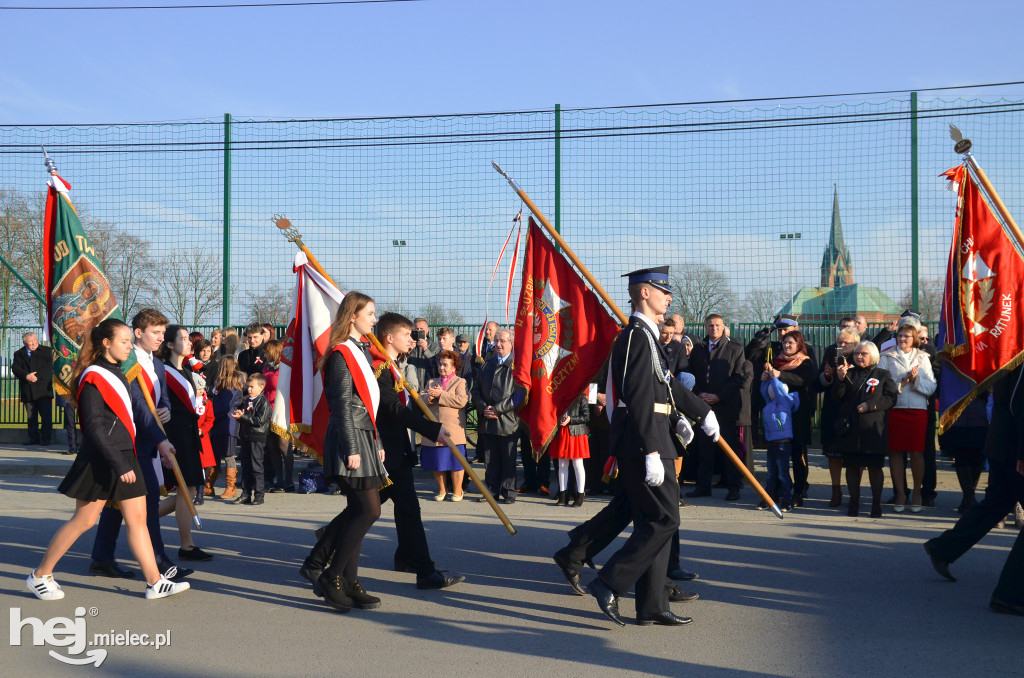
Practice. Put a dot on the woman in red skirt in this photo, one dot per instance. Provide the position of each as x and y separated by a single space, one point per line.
911 369
571 445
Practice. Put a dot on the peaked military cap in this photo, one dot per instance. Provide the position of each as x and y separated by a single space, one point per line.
786 321
657 277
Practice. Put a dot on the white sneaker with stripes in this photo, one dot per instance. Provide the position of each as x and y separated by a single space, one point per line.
165 587
44 588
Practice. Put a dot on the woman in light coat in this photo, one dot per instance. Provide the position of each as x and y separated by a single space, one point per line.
911 369
447 398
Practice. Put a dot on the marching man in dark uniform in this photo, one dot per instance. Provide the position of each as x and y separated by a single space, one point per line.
641 440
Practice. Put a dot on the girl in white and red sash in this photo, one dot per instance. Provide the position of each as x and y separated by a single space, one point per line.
353 456
183 432
106 467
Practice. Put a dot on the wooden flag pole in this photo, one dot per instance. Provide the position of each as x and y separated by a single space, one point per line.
623 320
963 147
295 237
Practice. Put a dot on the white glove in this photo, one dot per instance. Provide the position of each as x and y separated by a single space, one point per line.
684 430
710 426
655 470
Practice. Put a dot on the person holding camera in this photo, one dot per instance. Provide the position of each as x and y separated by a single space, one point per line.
864 393
425 349
839 353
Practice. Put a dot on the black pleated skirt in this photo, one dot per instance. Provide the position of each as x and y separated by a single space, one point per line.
91 477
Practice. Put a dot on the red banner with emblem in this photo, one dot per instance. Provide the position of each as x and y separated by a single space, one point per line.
563 335
981 332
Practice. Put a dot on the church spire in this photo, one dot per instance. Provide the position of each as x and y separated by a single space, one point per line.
836 268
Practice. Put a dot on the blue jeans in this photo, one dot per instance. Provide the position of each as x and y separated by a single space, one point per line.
780 485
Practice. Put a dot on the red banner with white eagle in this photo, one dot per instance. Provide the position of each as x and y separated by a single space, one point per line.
981 333
300 409
563 335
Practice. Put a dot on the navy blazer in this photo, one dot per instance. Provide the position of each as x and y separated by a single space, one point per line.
148 433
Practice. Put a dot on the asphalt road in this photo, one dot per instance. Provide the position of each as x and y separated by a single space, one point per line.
816 594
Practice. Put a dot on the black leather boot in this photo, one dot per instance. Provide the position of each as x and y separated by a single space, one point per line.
562 500
578 502
333 587
360 598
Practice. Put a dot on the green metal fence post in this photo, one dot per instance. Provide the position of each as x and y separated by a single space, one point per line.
558 168
914 270
226 251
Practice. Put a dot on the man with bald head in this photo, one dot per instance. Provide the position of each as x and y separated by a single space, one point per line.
33 366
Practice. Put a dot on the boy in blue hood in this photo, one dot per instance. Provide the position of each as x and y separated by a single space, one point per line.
778 411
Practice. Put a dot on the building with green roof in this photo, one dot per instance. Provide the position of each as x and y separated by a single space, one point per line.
838 295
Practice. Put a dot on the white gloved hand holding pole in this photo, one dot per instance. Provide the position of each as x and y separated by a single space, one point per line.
710 426
655 470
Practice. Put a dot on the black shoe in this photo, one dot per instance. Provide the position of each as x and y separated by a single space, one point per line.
312 575
570 569
562 500
798 501
290 488
606 600
257 500
179 572
438 580
679 574
928 501
333 588
277 488
733 495
508 500
360 598
662 619
244 497
403 566
199 500
110 568
194 553
578 501
678 595
699 493
940 565
1004 607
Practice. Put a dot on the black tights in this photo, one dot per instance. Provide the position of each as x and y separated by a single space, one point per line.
875 476
348 529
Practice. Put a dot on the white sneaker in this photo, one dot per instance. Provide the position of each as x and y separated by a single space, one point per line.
165 587
44 588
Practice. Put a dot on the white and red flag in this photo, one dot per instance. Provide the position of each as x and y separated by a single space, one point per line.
300 409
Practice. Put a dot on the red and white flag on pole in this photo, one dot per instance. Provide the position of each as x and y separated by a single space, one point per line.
517 220
300 409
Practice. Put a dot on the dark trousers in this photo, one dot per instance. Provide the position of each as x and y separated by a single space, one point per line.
594 466
110 520
281 459
1005 488
642 562
594 536
500 474
708 451
70 427
800 471
929 480
535 473
779 486
41 408
251 457
412 539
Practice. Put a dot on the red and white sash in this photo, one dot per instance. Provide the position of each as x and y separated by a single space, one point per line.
115 395
149 378
181 388
362 376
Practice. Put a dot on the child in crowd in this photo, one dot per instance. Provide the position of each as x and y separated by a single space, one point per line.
253 418
227 396
779 407
280 456
204 408
572 446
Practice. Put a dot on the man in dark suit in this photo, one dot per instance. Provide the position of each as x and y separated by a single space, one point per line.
672 347
33 366
1004 447
642 442
496 396
717 366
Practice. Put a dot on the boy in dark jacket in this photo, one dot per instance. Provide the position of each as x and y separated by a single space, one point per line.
253 425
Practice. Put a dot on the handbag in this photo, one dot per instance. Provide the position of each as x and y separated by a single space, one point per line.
311 482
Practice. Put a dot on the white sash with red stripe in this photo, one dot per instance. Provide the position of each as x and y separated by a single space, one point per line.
362 376
149 377
114 393
181 388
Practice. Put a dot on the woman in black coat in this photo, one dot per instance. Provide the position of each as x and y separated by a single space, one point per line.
353 457
835 355
864 393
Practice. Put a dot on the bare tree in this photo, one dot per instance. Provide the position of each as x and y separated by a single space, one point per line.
699 289
190 288
127 264
437 316
930 292
15 214
273 306
761 304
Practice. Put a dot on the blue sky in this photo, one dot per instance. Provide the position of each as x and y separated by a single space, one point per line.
709 197
441 56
